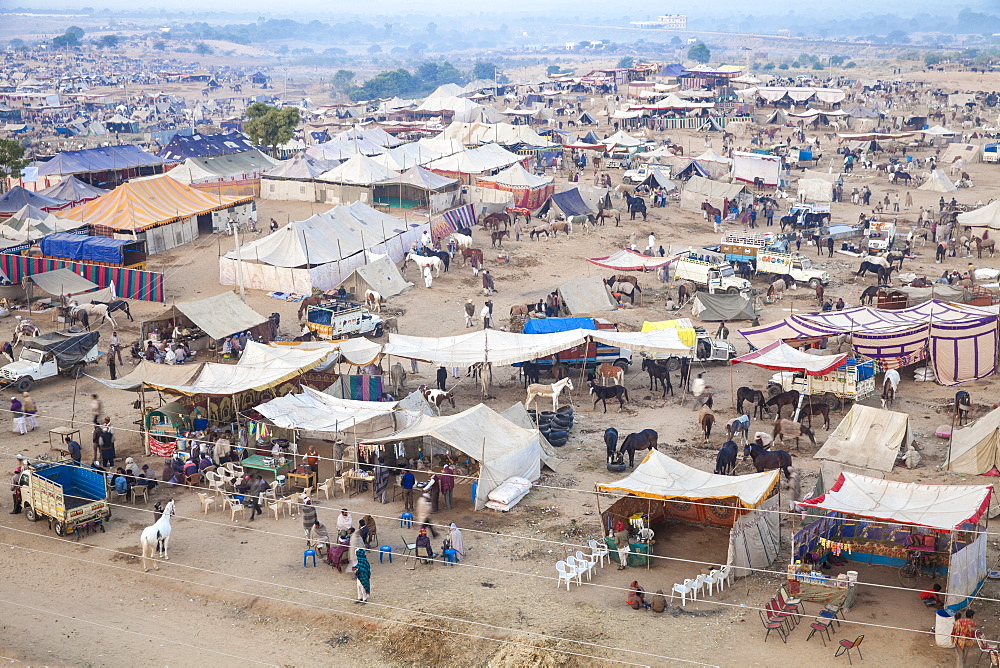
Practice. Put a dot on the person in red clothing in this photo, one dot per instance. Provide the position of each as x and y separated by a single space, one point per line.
447 480
931 598
312 459
964 634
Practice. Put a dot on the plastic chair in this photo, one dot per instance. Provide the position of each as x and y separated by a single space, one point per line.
725 576
566 574
292 503
325 487
206 501
587 560
406 519
699 585
305 557
411 551
140 490
783 597
683 589
274 505
847 645
771 625
236 506
450 556
713 579
599 551
385 550
577 567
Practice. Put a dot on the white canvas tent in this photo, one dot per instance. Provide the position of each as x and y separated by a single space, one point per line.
665 488
868 438
975 450
984 217
968 153
381 275
503 448
750 166
586 295
218 316
699 189
938 182
815 190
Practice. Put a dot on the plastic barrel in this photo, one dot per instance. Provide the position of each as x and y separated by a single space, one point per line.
944 623
475 487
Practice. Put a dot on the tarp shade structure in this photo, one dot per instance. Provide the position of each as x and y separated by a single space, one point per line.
699 189
199 145
628 260
73 190
504 348
418 177
31 224
529 191
939 507
960 340
219 316
984 217
946 293
382 276
80 247
518 414
686 332
938 182
571 203
722 307
975 450
503 448
260 368
750 166
782 357
661 477
358 351
319 415
106 159
18 197
867 437
149 202
62 282
551 325
586 295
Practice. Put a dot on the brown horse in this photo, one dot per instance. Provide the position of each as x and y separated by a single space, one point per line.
710 211
789 398
988 245
469 253
493 221
819 408
496 237
311 300
789 429
706 418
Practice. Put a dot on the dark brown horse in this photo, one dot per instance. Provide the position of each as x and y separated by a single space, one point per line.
710 211
767 460
789 398
755 397
643 440
312 300
818 408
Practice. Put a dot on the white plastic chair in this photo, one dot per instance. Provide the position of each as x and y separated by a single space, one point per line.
326 486
588 561
566 574
599 551
206 501
581 568
712 579
725 576
275 505
682 589
236 506
699 585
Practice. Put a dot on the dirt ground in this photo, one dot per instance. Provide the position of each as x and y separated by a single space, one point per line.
235 592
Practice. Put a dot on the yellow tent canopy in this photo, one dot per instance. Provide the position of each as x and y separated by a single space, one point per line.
685 330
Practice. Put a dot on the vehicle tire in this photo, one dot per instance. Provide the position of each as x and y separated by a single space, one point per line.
673 364
59 529
77 370
833 401
622 364
814 283
732 291
378 332
773 390
24 384
30 514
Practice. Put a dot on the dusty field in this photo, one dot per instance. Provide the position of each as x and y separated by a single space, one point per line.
235 593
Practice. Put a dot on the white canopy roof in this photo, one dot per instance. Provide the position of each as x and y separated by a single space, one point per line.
503 348
711 156
406 156
938 182
221 315
868 438
943 507
780 356
504 448
315 411
517 176
975 450
622 138
938 131
359 170
486 158
987 216
660 477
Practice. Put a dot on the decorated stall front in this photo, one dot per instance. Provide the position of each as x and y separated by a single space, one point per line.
938 529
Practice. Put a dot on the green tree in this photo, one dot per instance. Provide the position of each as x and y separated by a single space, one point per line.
271 126
16 43
817 65
552 69
77 31
932 58
66 41
699 53
850 65
767 67
341 81
783 66
837 60
160 45
202 49
108 41
374 48
626 62
11 161
483 70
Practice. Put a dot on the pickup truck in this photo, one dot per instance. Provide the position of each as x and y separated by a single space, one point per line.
641 173
880 235
50 355
340 319
68 494
709 271
791 264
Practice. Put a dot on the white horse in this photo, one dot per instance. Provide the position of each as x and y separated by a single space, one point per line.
97 311
155 537
463 241
422 261
535 390
373 300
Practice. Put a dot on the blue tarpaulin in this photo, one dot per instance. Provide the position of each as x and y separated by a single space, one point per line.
105 159
571 203
17 198
200 146
81 248
551 325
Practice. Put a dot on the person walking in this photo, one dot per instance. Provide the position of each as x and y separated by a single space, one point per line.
363 573
107 443
447 480
110 359
423 513
908 202
115 346
489 286
309 518
470 312
622 543
30 411
486 316
442 378
96 408
964 634
829 245
428 277
381 480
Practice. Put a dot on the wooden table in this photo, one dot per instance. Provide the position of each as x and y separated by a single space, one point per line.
823 593
355 483
257 462
62 433
301 480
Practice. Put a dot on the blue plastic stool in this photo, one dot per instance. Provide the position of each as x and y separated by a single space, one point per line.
385 549
407 519
305 557
451 556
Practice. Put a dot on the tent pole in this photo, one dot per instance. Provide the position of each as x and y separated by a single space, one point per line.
732 393
142 419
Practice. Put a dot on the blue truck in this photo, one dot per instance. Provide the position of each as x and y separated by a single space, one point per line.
68 495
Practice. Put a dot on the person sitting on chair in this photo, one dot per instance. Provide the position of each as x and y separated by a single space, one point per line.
637 596
931 597
424 542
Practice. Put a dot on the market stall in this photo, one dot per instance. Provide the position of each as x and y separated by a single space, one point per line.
938 529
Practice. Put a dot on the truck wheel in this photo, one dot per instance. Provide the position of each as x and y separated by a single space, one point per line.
673 364
60 529
732 291
773 391
622 364
77 370
24 384
832 400
30 514
378 331
814 283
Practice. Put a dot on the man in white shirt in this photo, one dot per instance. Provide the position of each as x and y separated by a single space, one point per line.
697 390
344 520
